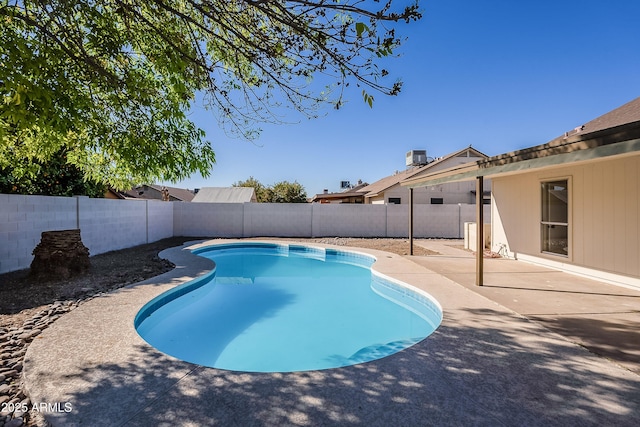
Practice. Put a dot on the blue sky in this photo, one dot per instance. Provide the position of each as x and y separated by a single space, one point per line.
497 74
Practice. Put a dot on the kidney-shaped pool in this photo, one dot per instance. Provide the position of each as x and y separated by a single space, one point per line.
282 308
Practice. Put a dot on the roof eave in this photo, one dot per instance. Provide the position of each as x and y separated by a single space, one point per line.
614 141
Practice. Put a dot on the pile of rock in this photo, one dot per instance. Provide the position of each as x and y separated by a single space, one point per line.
14 404
60 254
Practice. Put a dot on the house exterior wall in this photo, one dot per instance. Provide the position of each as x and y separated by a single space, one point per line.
450 193
604 220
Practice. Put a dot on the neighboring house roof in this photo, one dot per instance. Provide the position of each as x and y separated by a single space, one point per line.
225 195
614 133
154 192
181 194
386 183
356 191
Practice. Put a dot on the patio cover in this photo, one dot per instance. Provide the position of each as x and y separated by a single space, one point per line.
591 142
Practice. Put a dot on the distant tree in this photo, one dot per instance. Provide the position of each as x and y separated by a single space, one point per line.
288 192
54 177
281 192
112 82
261 191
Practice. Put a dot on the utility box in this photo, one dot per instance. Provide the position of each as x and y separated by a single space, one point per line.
470 233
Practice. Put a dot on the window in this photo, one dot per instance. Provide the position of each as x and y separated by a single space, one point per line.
437 200
555 217
394 200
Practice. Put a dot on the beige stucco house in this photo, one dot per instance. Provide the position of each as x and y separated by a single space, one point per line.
389 190
571 204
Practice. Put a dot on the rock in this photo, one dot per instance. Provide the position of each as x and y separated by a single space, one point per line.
11 373
60 254
16 422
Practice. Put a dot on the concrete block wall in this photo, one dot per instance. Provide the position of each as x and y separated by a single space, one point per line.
208 219
105 225
347 220
277 219
108 225
319 220
22 221
397 220
444 221
160 220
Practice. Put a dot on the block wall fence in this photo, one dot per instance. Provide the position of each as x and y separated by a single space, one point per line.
108 225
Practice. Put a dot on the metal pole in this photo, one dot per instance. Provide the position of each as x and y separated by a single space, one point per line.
479 231
410 221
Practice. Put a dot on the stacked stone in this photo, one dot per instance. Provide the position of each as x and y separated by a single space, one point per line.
60 254
13 346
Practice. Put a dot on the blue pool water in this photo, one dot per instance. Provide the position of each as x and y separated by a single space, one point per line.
283 308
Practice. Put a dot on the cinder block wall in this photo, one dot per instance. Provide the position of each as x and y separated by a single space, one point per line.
208 219
444 221
277 219
108 225
349 220
105 224
320 220
160 220
23 219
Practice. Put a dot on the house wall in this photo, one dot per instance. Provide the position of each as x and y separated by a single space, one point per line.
450 193
604 225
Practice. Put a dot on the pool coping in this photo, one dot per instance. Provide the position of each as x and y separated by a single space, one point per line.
484 365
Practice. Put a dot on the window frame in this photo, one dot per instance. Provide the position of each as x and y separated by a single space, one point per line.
547 223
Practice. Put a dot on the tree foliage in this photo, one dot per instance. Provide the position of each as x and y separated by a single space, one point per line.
258 187
280 192
111 82
287 192
54 177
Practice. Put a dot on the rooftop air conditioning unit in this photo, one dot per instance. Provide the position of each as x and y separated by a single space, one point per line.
416 158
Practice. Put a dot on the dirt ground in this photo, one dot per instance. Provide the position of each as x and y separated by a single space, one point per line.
21 296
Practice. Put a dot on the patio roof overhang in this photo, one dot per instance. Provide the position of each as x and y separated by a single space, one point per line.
621 140
578 148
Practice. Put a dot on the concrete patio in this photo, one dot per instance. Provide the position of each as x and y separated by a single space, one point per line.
487 364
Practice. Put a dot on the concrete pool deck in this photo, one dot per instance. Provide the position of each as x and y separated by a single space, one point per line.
485 365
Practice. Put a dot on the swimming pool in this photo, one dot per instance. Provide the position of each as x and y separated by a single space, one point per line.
282 308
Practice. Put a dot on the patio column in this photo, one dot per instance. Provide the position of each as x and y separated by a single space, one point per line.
411 221
479 231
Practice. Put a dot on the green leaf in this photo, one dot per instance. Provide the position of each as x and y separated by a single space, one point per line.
112 83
